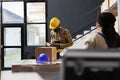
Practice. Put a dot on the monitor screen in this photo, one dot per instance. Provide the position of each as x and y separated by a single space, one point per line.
91 64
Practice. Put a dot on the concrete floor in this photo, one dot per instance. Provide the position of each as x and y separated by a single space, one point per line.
8 75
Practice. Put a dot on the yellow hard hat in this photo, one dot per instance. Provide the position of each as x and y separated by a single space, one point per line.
54 23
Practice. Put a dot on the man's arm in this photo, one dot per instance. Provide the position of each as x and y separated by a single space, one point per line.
68 40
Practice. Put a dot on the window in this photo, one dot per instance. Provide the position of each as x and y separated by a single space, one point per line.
12 36
11 55
36 34
12 44
13 12
36 23
36 12
23 25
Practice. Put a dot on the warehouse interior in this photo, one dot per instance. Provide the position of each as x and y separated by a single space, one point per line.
24 31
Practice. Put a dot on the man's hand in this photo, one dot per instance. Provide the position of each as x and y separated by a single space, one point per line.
47 44
56 45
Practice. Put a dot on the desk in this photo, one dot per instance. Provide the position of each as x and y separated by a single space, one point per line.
51 70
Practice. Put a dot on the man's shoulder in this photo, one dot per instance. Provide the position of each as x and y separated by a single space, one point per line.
64 29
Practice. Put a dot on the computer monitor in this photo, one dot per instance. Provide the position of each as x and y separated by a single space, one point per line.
91 64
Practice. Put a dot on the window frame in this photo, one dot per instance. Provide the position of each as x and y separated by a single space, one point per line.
25 19
22 42
23 30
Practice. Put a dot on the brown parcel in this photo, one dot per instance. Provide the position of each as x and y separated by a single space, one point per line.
51 51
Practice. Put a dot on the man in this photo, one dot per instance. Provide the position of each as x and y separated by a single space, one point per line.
60 37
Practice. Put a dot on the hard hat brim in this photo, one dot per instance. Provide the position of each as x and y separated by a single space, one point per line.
40 62
52 27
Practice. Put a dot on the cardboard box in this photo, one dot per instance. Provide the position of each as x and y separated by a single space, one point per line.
51 51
